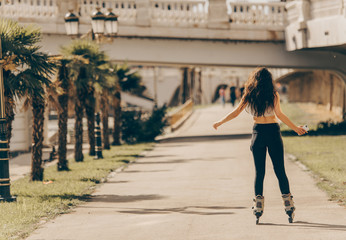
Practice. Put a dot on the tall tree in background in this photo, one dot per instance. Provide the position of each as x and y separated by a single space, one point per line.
26 73
99 65
87 64
63 79
127 81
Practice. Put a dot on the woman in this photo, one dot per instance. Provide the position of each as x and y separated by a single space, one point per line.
263 101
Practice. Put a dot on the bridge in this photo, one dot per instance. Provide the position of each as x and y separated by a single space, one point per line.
295 34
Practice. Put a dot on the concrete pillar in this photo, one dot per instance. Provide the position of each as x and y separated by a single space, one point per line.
217 15
304 10
143 13
64 6
303 7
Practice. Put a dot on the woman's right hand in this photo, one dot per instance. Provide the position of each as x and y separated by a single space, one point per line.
300 130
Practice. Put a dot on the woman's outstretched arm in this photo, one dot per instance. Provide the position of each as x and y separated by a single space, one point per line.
231 115
285 119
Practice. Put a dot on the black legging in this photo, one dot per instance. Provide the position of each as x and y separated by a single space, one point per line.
268 136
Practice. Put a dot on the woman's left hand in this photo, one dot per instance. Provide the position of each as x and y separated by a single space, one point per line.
216 125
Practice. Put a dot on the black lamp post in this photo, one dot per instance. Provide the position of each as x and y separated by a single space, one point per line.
5 194
98 138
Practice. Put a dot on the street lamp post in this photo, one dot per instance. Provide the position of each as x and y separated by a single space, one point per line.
98 138
102 25
5 194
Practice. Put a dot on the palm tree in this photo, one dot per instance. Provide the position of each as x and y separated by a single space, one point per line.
104 106
63 78
17 45
117 115
99 62
88 65
127 81
26 71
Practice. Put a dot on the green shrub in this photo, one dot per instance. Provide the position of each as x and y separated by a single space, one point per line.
143 127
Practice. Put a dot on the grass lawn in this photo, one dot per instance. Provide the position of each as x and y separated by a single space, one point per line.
38 202
298 115
325 156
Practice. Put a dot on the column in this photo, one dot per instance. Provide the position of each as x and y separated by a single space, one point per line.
143 13
64 6
217 15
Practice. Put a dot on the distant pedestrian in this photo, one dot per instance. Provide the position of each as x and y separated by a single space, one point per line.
233 95
222 96
262 101
242 91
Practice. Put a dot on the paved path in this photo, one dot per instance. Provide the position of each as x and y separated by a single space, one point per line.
199 190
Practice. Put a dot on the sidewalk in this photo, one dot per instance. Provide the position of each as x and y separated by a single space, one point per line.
199 190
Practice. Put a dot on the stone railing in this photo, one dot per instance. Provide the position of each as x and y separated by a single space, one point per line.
191 13
125 9
257 14
180 115
325 8
172 18
304 10
34 9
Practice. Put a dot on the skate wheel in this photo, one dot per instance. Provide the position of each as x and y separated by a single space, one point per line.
290 220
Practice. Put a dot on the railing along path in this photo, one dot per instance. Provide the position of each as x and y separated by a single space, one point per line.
167 13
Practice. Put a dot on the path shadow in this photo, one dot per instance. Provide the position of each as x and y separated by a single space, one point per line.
123 199
108 181
128 155
136 171
205 138
172 161
310 225
159 156
197 210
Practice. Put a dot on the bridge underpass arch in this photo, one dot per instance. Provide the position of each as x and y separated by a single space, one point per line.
322 87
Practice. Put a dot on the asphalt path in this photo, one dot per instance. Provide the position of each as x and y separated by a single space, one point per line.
199 188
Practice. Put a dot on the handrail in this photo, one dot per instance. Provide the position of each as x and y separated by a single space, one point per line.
179 114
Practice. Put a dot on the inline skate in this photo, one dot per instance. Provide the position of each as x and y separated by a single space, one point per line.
258 207
289 206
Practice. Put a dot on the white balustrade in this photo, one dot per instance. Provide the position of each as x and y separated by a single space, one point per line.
125 9
37 9
325 8
166 13
189 13
257 14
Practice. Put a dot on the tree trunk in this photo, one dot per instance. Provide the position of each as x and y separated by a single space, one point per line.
9 111
90 114
38 106
105 114
117 119
62 117
78 151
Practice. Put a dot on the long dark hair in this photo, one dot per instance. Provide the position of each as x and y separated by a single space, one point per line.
260 91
